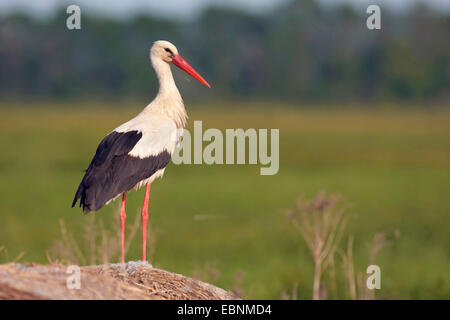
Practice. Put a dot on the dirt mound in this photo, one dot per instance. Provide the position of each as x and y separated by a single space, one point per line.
132 280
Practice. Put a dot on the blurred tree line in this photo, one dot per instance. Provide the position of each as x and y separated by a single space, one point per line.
300 51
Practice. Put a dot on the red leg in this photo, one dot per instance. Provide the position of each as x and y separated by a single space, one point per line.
144 221
123 217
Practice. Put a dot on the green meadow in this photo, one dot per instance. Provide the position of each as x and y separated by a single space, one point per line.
391 166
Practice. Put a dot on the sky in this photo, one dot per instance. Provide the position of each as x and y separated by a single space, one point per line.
183 9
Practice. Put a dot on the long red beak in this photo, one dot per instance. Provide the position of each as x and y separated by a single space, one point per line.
183 65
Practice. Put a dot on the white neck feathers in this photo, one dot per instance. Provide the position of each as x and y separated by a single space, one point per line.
168 99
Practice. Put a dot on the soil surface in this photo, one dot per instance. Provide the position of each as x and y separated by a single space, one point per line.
132 280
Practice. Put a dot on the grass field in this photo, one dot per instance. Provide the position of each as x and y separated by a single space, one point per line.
393 167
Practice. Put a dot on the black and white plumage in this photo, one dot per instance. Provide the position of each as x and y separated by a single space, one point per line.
114 171
135 153
138 151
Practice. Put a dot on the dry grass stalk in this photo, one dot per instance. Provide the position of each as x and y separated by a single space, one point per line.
210 273
6 255
321 222
99 244
379 241
349 268
357 283
332 276
206 273
293 295
237 285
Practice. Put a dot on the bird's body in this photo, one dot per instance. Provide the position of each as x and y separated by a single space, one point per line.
132 155
137 152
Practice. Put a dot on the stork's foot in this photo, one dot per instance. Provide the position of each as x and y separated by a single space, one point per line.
135 264
130 267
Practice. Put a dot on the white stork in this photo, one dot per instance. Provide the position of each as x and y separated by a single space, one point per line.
137 152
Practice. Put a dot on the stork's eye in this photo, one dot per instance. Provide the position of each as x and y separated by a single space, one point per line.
169 51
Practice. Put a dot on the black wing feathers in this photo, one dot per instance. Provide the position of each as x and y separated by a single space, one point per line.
112 171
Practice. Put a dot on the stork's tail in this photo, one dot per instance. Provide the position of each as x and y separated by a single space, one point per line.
81 194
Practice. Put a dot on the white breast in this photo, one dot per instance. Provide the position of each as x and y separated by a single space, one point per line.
159 133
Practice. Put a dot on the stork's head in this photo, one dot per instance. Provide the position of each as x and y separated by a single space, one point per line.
167 52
